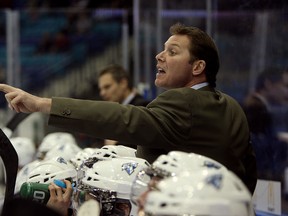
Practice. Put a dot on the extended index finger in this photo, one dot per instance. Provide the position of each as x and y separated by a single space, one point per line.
6 88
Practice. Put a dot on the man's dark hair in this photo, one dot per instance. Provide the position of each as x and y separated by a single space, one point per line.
118 73
202 47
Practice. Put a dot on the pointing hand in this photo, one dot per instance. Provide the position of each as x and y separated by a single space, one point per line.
21 101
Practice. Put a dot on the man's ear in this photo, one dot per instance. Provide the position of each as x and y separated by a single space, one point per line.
198 67
123 82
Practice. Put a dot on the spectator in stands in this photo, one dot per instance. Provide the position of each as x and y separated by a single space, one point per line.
61 42
83 23
45 44
54 44
78 18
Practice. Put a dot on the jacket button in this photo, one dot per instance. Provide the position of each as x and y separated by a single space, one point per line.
66 112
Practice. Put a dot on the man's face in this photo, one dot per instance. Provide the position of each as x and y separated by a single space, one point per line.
110 90
173 67
278 91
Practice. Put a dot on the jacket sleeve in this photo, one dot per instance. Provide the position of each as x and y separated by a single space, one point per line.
125 123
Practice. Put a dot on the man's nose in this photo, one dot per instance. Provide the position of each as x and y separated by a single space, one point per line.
160 56
102 93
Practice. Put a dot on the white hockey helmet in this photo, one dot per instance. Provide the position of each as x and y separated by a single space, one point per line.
176 162
55 168
53 139
108 152
25 149
121 150
110 182
23 173
81 156
172 164
64 150
205 192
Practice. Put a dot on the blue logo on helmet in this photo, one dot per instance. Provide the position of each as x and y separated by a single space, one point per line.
129 167
215 180
61 160
210 164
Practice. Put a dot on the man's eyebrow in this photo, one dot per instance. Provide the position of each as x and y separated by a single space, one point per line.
172 44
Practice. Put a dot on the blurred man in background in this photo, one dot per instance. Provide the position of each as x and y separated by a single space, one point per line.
262 108
115 85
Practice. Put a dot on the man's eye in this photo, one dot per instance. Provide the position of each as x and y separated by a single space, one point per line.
107 87
172 52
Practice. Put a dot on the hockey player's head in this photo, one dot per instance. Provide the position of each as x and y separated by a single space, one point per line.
203 192
167 165
109 182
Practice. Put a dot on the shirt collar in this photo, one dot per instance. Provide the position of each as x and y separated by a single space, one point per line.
129 98
199 85
263 100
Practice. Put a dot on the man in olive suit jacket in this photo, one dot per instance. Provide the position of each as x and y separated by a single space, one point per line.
191 115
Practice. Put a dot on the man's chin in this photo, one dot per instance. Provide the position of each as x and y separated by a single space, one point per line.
158 83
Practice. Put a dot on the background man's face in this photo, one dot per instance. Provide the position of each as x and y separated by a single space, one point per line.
110 90
277 92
